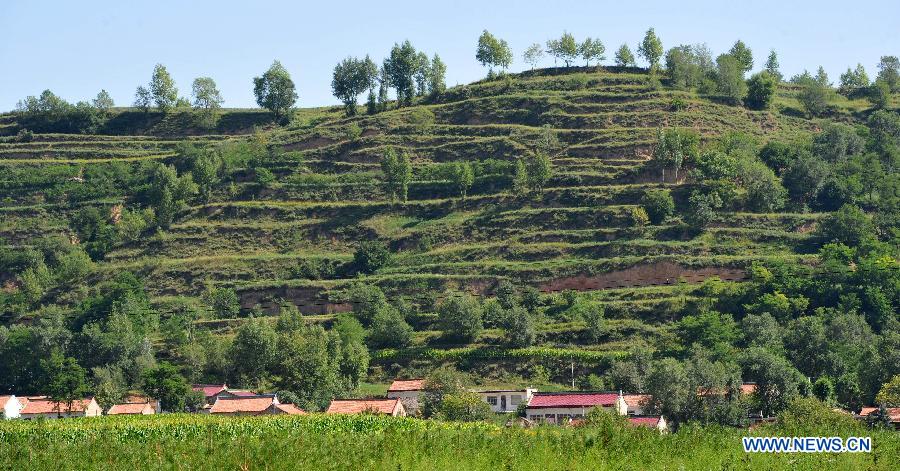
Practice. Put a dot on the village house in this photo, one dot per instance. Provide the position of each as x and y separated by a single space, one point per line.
10 407
247 405
636 403
892 412
506 400
652 421
211 392
132 408
139 399
40 406
558 407
392 407
408 391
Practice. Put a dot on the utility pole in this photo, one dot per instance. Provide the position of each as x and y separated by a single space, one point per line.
573 374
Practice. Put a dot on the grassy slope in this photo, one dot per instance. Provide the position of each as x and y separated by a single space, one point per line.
300 230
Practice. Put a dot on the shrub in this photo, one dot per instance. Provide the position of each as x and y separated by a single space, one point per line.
760 90
460 317
389 329
223 302
371 255
658 204
464 407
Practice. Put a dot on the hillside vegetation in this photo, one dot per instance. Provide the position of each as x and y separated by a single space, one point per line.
527 228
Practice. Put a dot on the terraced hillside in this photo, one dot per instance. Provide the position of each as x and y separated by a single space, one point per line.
283 220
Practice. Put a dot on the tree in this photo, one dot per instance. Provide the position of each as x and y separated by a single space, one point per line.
493 51
533 55
592 314
462 177
673 147
743 55
592 49
520 327
624 57
804 176
389 329
103 102
253 351
223 302
371 255
730 78
837 143
777 382
772 66
565 48
823 390
879 94
848 225
65 379
669 388
397 174
889 394
168 193
162 88
207 99
143 99
400 67
760 90
539 169
423 71
814 94
651 49
520 178
275 91
460 317
437 76
683 66
702 208
658 204
762 330
167 385
441 382
853 81
889 72
464 407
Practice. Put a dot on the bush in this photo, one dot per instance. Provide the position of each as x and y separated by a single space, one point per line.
460 317
371 255
760 90
520 327
658 205
464 407
848 225
389 329
223 302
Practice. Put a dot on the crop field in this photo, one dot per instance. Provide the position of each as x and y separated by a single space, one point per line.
369 442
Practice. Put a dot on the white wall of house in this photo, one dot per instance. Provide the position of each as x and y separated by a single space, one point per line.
506 401
557 414
410 400
11 409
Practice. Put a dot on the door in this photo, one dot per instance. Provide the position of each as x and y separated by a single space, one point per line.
503 403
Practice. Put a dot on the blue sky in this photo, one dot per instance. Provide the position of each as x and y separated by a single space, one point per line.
77 48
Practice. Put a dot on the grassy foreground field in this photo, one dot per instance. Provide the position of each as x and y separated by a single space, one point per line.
369 442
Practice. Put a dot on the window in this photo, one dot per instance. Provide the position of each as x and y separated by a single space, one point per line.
492 400
515 399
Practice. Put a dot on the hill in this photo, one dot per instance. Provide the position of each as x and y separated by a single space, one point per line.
302 215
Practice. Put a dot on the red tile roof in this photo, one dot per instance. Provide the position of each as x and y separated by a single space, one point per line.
748 388
242 393
893 412
290 409
400 385
646 420
209 390
636 399
357 406
242 405
135 408
573 399
46 406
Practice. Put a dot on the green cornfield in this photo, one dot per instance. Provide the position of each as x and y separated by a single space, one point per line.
364 442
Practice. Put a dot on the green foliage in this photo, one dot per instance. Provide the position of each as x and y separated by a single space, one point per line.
743 55
730 78
889 394
399 69
624 57
772 66
659 205
460 316
162 88
371 255
493 51
351 77
463 407
440 383
849 226
520 327
397 174
889 72
674 147
853 81
814 95
274 90
651 49
103 102
702 208
823 390
437 75
65 379
168 193
760 90
207 99
167 385
686 66
461 177
389 329
533 55
565 48
538 170
592 49
253 351
777 382
223 302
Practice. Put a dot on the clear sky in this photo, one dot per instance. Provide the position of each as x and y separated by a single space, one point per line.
77 48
